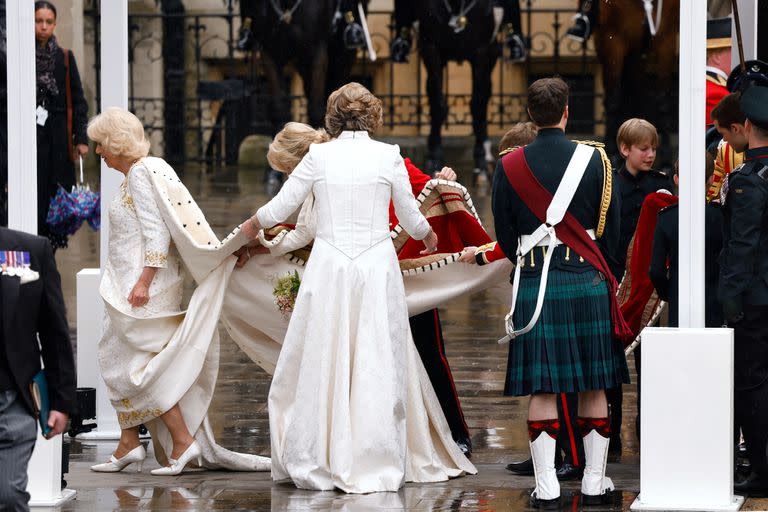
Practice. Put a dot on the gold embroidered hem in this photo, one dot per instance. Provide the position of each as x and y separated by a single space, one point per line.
155 259
127 417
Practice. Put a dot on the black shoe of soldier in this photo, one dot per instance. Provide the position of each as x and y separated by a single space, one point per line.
246 40
517 49
569 472
754 486
553 504
600 499
522 468
400 48
465 445
581 29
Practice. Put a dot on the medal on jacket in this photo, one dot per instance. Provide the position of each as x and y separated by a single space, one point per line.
17 264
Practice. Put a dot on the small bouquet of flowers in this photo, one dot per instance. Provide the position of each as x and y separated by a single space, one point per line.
285 292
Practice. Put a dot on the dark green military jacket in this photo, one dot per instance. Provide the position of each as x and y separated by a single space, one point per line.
744 260
548 156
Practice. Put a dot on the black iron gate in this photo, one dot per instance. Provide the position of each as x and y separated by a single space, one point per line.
212 98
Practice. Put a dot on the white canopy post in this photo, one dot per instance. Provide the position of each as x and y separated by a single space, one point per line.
22 130
90 307
44 470
696 396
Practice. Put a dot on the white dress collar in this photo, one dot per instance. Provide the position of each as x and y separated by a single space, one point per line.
354 134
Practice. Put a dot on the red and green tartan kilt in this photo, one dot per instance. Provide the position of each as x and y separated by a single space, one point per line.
571 348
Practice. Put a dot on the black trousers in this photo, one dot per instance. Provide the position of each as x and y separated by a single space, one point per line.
428 336
751 384
570 439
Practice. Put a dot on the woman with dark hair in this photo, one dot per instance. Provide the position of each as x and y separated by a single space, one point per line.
62 116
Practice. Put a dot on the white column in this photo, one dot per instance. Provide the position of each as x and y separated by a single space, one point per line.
114 93
693 35
44 468
686 450
22 132
675 472
90 311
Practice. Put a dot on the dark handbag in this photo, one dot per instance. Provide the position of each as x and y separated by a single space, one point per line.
39 390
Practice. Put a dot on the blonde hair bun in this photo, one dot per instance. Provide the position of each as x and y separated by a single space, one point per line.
291 144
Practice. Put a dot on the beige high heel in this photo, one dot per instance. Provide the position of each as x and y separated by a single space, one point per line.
177 465
115 465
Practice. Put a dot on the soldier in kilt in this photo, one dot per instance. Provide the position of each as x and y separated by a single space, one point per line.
574 346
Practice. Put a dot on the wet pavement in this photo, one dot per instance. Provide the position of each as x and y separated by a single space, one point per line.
471 326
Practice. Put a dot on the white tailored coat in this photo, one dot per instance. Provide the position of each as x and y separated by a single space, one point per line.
350 405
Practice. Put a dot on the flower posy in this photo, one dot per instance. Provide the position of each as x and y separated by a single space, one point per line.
285 292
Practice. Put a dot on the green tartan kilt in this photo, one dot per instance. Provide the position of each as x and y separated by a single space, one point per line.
571 348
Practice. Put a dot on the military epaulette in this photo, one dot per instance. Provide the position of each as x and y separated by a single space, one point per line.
739 168
508 150
592 143
659 174
668 208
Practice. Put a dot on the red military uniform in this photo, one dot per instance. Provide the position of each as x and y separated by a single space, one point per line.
716 91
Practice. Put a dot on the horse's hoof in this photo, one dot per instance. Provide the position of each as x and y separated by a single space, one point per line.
247 40
517 49
400 49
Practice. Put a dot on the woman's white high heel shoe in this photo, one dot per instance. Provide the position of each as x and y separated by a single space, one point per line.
114 465
177 465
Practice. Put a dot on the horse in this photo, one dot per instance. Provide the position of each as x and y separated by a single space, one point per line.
454 30
294 32
318 37
638 67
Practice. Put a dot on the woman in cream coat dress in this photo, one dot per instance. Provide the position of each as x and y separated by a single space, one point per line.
347 404
159 364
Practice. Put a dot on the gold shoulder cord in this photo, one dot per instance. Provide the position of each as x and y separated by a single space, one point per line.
508 150
605 202
607 191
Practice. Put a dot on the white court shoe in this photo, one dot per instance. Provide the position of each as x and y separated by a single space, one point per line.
114 465
177 465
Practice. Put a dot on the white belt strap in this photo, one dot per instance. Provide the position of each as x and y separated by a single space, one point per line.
545 234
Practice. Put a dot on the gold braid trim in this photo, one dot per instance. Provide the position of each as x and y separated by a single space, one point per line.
507 150
605 202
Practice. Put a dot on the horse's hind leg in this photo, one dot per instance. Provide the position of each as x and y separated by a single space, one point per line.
482 67
313 73
434 63
279 111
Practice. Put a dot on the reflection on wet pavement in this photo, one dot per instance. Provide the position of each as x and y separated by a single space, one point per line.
238 413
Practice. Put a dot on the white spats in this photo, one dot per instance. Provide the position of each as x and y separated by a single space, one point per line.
594 482
543 455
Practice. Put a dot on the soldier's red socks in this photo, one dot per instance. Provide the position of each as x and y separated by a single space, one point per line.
536 427
601 425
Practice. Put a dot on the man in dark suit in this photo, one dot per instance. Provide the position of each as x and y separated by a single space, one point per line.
33 323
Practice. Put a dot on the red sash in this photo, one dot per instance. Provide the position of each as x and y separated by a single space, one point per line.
569 230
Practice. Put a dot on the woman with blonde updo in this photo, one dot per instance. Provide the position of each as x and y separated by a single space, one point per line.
350 405
157 372
286 151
